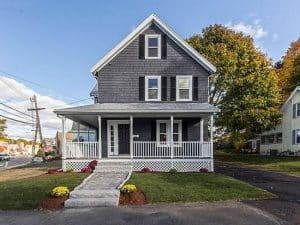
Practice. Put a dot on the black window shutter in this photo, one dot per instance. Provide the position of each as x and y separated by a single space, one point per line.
153 130
164 88
141 88
294 110
195 89
142 46
164 46
294 137
184 130
173 88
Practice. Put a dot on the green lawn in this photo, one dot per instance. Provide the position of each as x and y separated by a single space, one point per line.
289 165
194 187
27 193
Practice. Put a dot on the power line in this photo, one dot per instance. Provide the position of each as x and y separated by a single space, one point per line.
71 103
15 109
13 114
9 118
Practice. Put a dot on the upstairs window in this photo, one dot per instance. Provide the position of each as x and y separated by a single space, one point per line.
152 88
152 46
298 110
183 88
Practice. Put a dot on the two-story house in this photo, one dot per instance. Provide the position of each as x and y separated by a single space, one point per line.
151 105
284 139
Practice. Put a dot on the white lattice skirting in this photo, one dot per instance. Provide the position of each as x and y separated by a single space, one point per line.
161 165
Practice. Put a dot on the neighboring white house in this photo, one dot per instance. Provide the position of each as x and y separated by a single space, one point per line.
285 138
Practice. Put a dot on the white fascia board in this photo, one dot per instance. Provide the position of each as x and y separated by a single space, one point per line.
289 98
164 27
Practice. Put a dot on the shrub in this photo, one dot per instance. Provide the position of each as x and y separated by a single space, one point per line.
60 191
146 170
203 170
93 164
86 170
173 170
128 188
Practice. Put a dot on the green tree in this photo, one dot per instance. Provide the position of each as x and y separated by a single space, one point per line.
245 85
294 79
286 68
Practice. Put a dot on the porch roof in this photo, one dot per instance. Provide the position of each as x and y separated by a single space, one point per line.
137 108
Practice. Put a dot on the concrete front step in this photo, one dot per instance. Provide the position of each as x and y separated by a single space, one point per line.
114 163
91 202
101 193
109 168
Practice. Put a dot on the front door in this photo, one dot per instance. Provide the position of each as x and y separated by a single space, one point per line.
118 138
124 140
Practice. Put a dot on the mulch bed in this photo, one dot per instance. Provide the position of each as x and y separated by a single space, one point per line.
52 203
135 198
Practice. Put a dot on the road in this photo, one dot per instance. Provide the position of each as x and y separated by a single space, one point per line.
287 188
15 162
230 213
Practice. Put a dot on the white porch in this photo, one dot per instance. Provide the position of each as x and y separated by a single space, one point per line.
157 136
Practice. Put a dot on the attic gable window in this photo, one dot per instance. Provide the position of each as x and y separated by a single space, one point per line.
152 46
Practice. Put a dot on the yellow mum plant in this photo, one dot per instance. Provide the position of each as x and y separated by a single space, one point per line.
128 188
60 191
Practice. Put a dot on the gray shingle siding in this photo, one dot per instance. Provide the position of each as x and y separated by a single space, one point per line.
118 80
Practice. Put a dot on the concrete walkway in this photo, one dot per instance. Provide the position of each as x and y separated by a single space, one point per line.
99 189
208 214
287 188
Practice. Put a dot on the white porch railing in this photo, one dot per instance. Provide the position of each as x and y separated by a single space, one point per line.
184 149
85 150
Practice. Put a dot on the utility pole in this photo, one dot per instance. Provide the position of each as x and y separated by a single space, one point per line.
38 129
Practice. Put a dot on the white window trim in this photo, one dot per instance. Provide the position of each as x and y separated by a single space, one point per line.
168 122
159 88
190 88
147 36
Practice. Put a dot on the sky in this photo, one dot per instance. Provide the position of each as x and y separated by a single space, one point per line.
48 47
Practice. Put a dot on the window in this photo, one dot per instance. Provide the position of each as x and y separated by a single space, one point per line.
279 137
163 130
152 46
184 88
297 136
271 139
263 140
298 109
152 88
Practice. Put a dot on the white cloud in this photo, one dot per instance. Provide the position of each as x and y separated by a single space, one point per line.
255 30
17 95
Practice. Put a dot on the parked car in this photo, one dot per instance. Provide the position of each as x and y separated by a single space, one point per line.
4 157
37 159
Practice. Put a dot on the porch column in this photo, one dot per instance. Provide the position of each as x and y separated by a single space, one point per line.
63 141
131 136
171 138
212 141
201 130
99 137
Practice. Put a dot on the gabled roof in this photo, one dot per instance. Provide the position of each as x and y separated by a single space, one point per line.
167 30
289 98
